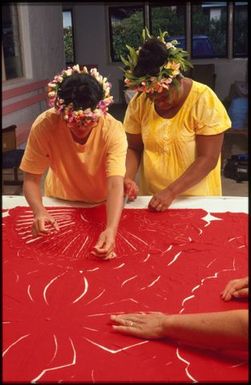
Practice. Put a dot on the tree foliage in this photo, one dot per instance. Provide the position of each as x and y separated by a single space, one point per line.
127 31
68 45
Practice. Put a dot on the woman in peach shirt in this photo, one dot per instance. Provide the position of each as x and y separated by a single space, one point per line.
82 147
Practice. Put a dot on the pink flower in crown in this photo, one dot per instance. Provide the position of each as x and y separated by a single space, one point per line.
58 79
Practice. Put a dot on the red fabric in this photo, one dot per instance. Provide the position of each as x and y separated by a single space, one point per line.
57 298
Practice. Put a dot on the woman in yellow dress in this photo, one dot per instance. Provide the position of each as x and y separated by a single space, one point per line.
175 126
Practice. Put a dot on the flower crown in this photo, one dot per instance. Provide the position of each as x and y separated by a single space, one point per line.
175 63
78 116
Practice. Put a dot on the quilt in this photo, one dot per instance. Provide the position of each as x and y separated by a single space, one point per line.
58 297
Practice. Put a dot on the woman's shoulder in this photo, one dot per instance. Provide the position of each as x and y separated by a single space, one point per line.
201 88
111 127
110 124
140 105
110 121
49 116
202 93
138 99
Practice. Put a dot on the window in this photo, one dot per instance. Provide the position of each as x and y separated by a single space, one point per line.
210 22
209 29
171 18
240 29
126 24
11 43
68 38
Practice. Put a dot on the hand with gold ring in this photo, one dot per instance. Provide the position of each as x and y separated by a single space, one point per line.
150 325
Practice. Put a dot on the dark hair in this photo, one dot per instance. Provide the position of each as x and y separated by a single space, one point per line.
83 90
152 56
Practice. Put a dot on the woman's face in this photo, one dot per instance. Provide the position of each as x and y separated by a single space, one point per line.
166 97
82 129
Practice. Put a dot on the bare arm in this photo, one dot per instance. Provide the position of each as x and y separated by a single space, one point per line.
133 158
32 193
114 206
134 152
208 152
219 330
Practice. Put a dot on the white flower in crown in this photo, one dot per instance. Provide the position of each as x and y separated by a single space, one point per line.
52 85
68 72
170 45
76 68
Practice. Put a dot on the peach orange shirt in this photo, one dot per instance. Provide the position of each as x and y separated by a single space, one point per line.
76 172
169 144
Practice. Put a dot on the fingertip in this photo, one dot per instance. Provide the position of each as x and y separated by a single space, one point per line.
112 255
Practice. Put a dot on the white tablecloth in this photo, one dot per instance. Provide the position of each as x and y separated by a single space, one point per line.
211 204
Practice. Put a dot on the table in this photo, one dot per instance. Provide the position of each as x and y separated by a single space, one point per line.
57 300
217 204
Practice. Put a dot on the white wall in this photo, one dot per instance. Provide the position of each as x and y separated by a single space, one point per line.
46 39
41 35
91 36
227 72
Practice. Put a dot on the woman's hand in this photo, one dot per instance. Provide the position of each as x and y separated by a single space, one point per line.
105 245
161 200
130 189
237 288
44 223
150 326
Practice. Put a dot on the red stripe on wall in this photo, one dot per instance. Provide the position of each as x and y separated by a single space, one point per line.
7 94
24 103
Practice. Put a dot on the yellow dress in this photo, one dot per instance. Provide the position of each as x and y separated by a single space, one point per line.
169 144
76 172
